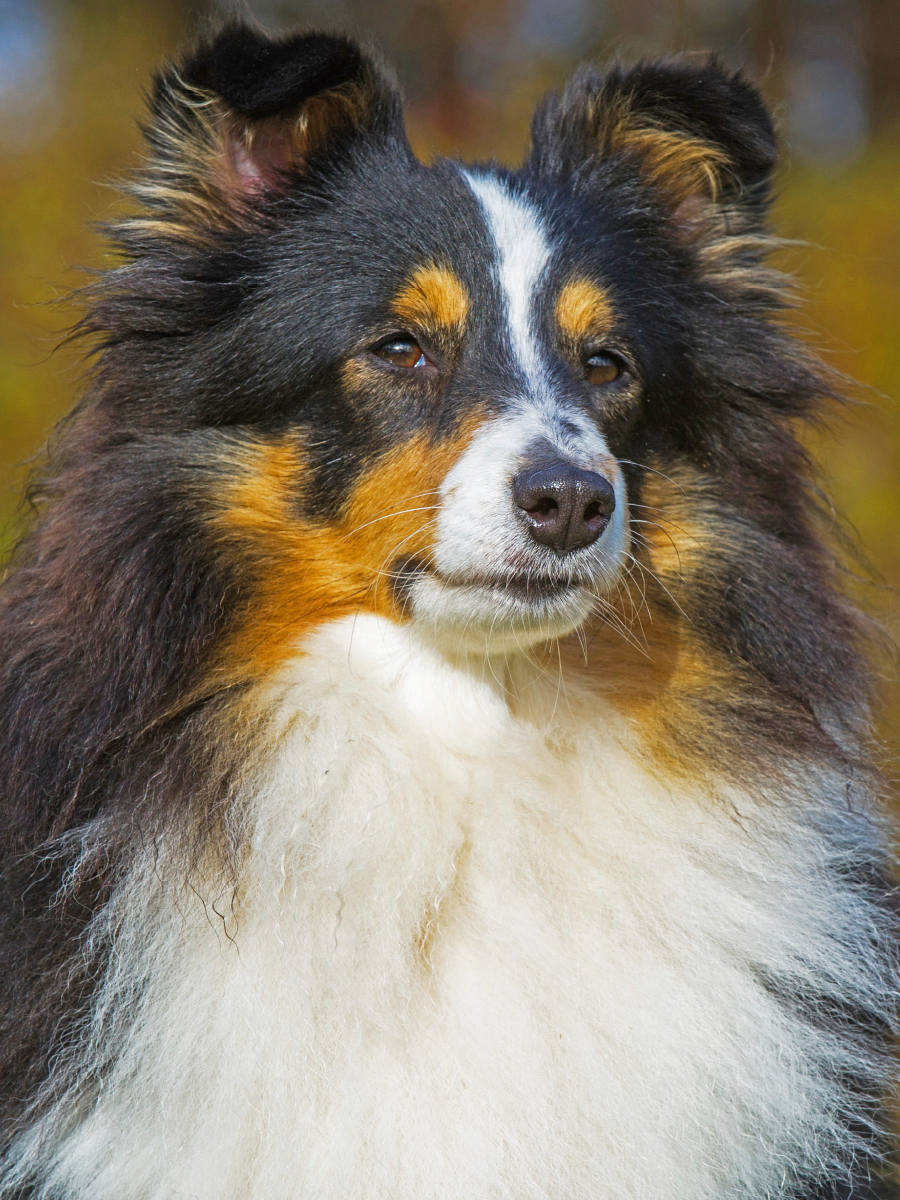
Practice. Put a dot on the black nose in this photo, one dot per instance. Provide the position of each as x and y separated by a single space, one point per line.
566 508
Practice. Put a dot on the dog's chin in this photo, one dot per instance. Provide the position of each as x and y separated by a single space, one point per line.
497 615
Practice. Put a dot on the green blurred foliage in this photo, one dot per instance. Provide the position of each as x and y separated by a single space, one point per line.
56 165
54 191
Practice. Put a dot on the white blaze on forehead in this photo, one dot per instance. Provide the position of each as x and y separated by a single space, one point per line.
522 253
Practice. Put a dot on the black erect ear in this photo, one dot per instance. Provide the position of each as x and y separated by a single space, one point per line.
245 116
698 134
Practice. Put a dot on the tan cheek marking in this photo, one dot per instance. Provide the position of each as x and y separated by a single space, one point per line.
285 562
654 679
392 511
583 308
677 525
435 298
302 573
658 676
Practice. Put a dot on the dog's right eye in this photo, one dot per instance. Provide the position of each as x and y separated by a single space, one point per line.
402 352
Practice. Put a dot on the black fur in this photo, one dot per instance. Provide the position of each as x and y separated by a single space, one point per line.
258 76
701 100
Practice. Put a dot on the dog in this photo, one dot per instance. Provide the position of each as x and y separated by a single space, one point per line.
437 755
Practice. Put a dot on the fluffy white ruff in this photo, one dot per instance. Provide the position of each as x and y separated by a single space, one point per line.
480 950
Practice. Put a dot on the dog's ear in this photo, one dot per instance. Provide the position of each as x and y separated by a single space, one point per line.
698 135
245 116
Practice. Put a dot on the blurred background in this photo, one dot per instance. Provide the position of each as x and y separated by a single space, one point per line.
72 75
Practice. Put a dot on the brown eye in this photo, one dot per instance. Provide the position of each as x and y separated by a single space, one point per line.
601 368
401 352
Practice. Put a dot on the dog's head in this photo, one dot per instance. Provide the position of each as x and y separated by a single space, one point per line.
459 396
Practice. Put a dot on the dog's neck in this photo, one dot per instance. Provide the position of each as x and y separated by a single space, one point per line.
476 938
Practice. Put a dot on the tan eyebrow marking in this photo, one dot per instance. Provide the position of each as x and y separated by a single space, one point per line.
583 308
433 297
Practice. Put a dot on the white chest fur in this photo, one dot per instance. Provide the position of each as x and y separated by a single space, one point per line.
471 958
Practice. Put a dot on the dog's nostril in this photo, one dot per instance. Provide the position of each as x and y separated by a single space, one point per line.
545 507
565 508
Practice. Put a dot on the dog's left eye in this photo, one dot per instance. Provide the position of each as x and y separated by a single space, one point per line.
602 368
402 352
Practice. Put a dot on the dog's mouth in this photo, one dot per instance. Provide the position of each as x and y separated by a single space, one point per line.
525 587
487 611
530 589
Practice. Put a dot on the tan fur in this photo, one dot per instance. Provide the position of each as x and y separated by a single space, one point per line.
680 165
583 309
435 299
642 648
309 571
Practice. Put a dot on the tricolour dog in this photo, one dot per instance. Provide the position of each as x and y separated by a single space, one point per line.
435 736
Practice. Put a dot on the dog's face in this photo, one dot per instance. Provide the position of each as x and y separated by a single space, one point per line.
438 393
472 370
475 380
532 519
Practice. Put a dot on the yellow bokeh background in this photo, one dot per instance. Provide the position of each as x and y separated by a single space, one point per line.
63 141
